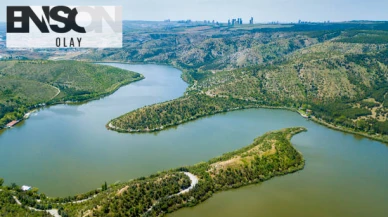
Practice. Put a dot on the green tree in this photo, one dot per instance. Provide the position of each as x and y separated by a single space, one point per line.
362 124
104 187
14 185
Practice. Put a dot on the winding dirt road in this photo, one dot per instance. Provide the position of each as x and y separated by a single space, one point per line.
54 212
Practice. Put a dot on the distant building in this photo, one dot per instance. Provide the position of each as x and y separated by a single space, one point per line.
26 188
184 21
237 21
251 21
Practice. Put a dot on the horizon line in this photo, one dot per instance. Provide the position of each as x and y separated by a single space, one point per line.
267 22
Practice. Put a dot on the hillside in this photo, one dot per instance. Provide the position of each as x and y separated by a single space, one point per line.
198 49
26 85
341 78
271 154
9 207
336 72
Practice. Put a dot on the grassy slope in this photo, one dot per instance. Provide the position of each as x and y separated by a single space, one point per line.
25 84
271 154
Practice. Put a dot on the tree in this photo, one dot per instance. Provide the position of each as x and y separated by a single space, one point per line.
13 185
43 196
104 187
34 190
362 124
1 182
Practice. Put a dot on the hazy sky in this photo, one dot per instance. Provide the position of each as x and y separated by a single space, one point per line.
221 10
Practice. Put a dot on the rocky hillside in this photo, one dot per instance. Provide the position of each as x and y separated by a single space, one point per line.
340 77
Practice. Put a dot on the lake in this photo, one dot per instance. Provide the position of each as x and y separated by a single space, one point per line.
65 149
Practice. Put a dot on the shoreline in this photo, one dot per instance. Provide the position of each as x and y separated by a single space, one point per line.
194 180
349 131
110 125
197 175
48 104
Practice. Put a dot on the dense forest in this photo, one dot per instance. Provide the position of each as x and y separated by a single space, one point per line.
271 154
25 85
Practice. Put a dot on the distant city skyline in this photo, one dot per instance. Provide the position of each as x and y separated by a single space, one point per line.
222 10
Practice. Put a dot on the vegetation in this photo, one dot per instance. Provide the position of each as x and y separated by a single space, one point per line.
339 72
269 155
140 196
160 116
336 73
365 37
25 85
9 207
329 87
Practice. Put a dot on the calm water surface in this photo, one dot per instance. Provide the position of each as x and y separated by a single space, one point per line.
64 150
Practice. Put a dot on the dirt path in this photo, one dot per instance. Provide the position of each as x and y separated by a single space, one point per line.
194 181
59 91
53 212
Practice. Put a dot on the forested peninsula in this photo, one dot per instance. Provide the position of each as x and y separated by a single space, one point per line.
270 155
334 74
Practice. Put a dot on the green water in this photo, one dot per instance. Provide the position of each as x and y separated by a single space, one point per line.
344 176
64 150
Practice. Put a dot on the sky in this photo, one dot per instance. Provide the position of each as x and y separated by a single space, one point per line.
222 10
